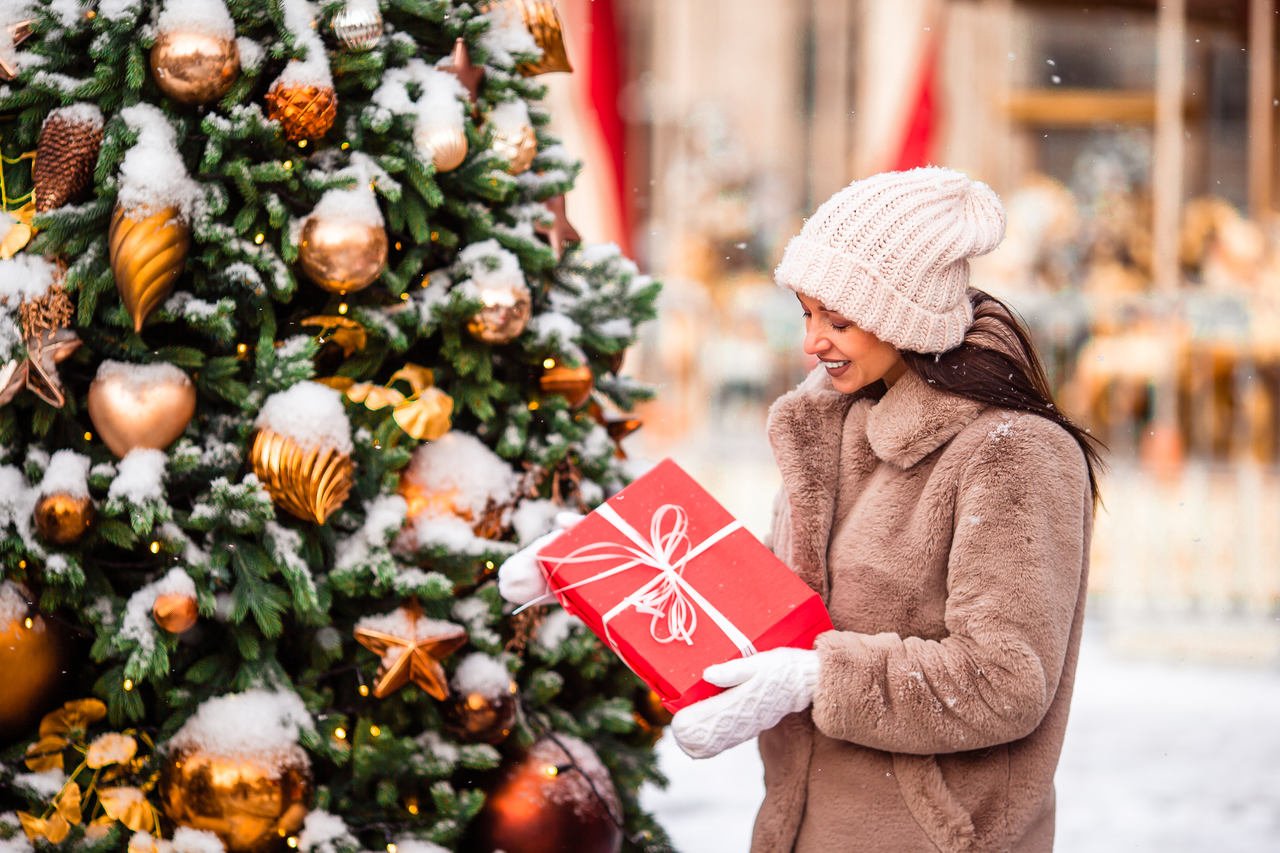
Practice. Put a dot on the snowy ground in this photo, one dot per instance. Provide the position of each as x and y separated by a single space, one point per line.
1159 757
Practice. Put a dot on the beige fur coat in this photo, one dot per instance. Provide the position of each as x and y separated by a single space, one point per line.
950 542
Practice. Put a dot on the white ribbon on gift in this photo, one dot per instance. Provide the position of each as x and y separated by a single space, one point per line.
667 596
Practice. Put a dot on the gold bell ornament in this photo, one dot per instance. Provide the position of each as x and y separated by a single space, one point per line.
140 405
250 785
302 451
343 245
195 59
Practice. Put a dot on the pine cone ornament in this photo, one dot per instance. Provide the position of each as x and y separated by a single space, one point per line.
305 112
66 154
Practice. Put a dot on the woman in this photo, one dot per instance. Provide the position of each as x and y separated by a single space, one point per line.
942 505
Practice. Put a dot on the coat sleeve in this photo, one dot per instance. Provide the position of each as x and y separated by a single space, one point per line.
1014 580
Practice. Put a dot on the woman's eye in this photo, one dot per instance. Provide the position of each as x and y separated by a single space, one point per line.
840 327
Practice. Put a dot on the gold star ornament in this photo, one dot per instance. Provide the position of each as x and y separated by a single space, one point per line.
410 647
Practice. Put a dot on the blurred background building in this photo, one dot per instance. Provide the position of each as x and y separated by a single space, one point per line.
1134 144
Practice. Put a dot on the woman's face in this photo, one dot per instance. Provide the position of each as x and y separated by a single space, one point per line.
853 358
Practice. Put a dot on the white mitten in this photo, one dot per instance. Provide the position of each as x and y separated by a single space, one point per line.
520 580
763 689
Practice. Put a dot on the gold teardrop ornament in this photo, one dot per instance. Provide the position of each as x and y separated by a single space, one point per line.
310 483
147 254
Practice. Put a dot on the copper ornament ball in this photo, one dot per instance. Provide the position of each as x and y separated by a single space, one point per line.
342 255
194 67
175 612
250 803
505 315
572 383
62 518
34 661
543 804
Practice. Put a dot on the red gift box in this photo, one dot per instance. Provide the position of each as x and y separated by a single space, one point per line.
673 583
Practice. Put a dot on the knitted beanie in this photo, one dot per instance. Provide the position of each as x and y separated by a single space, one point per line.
890 253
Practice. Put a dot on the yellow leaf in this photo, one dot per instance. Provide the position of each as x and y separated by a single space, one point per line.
55 829
426 417
343 331
69 803
46 753
74 716
374 397
111 748
19 233
418 377
127 805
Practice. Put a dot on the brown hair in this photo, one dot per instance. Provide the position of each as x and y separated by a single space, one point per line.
997 364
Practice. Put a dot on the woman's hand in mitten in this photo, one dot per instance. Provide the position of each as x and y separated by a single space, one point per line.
520 580
762 689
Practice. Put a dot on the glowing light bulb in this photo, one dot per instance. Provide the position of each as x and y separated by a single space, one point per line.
28 623
340 733
364 690
155 547
548 363
259 238
342 308
128 685
375 731
88 436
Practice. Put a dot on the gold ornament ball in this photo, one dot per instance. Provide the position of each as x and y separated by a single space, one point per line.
194 67
477 718
250 803
34 661
129 415
62 518
304 111
342 255
504 315
572 383
310 483
446 146
174 612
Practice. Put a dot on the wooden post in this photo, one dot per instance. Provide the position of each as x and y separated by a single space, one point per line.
1261 114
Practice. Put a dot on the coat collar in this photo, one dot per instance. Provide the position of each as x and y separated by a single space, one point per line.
914 419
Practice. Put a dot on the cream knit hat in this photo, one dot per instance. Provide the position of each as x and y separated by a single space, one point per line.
891 254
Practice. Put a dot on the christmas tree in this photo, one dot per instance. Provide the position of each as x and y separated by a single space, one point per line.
296 346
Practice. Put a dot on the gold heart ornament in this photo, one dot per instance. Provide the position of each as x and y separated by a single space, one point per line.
134 406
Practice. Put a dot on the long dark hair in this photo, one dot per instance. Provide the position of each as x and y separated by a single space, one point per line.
997 364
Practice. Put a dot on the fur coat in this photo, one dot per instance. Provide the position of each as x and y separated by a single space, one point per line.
950 542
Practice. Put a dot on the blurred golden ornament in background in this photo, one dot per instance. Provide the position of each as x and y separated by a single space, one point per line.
574 384
477 718
147 254
304 111
174 612
342 255
358 25
505 312
129 414
34 658
412 651
518 146
309 483
194 67
542 20
66 153
444 144
61 517
250 803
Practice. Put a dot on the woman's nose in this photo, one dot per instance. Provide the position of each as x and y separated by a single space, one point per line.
815 343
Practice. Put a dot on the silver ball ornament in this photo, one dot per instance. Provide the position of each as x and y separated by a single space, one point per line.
358 26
